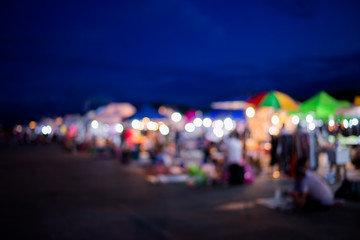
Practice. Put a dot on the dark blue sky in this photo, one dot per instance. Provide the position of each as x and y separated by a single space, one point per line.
56 55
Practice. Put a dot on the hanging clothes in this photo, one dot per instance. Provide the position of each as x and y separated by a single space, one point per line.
284 152
313 151
274 145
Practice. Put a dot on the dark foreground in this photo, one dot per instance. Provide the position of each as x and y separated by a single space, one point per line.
46 193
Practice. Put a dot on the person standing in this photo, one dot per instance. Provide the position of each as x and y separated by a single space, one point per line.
233 159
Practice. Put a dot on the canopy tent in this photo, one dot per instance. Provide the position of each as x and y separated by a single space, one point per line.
147 111
232 103
220 114
114 112
353 111
274 99
322 105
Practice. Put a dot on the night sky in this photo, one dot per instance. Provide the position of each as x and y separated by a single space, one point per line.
57 56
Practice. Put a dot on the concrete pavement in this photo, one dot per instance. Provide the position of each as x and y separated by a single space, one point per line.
47 193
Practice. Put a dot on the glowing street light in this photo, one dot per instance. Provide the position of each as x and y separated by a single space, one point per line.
295 119
275 120
198 122
94 124
218 132
152 126
119 128
32 125
46 130
190 127
218 124
309 118
229 124
312 126
176 117
355 121
135 124
164 130
250 112
207 122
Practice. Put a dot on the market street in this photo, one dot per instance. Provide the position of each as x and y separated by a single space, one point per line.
47 193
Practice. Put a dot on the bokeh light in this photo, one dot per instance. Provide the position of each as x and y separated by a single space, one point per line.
250 112
119 128
152 126
229 124
218 132
275 120
198 122
32 125
218 124
176 117
94 124
164 130
190 127
309 118
207 122
135 124
295 119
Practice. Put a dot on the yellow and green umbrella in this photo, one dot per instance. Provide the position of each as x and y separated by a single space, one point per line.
274 99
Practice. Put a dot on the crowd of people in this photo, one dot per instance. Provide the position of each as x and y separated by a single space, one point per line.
225 161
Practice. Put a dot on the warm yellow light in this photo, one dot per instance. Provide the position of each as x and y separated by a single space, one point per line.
152 126
58 121
273 130
282 117
141 126
32 125
145 120
267 146
63 129
276 174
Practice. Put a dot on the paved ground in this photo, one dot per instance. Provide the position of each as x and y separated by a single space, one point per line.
50 194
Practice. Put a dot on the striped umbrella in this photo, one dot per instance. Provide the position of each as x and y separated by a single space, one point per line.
274 99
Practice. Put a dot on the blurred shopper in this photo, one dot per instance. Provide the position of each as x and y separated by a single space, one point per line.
274 143
311 192
233 160
234 148
355 159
